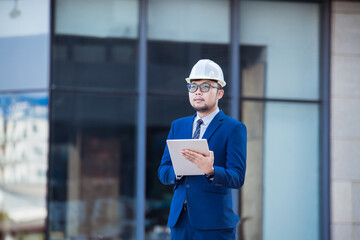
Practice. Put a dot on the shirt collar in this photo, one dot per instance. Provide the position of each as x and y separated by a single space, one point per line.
208 118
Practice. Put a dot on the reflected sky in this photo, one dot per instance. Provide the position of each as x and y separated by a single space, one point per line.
23 160
24 44
24 18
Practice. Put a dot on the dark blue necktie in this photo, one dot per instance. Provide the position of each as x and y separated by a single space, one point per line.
197 130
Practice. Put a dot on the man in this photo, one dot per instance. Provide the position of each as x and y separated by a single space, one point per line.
201 207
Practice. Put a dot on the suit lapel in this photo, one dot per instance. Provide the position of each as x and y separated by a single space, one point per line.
189 126
214 124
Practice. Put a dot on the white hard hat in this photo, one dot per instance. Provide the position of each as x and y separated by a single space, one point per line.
207 69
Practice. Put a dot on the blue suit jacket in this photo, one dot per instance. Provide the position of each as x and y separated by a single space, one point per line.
209 202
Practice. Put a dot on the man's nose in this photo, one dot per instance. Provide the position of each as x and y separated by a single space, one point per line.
198 91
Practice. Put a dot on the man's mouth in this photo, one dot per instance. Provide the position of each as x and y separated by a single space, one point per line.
198 99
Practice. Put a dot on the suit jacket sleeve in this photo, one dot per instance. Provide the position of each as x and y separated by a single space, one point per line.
166 172
233 174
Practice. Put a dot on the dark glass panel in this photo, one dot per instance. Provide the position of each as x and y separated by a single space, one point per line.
95 44
253 71
171 62
97 63
92 166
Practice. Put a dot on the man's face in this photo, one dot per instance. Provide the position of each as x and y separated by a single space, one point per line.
205 101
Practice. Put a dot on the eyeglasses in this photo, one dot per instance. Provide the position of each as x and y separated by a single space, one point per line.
204 87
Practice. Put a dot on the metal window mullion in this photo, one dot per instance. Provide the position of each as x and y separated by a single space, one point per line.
49 173
235 53
141 123
325 122
234 76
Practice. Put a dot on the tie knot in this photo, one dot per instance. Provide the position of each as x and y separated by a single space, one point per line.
199 122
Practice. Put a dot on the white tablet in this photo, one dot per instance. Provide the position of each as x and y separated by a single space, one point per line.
181 165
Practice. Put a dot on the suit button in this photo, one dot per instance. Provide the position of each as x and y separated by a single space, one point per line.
187 186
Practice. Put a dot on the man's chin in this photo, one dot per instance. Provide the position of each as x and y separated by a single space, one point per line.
201 109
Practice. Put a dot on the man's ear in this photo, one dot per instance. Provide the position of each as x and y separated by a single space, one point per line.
220 94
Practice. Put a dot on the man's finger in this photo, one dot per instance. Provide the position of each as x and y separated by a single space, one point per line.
194 152
188 155
192 157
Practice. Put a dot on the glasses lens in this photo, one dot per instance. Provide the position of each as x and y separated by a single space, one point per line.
192 87
205 87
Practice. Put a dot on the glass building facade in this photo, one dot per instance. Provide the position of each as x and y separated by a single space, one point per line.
24 118
88 91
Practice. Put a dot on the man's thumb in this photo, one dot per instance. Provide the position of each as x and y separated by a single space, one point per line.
211 154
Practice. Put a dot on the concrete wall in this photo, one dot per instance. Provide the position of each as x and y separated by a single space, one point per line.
345 118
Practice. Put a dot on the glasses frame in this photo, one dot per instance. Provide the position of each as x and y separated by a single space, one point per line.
200 85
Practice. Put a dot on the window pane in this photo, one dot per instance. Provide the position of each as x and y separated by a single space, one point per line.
289 35
205 21
171 62
24 44
95 44
252 191
291 171
181 33
23 165
92 167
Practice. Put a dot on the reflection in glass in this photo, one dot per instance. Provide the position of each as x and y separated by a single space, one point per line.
253 71
290 33
204 21
252 191
92 167
24 44
252 112
179 38
97 50
291 171
23 165
101 19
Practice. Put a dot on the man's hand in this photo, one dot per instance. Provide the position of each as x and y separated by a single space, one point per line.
204 162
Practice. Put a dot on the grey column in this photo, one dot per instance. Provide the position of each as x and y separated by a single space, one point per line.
141 123
325 122
235 78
